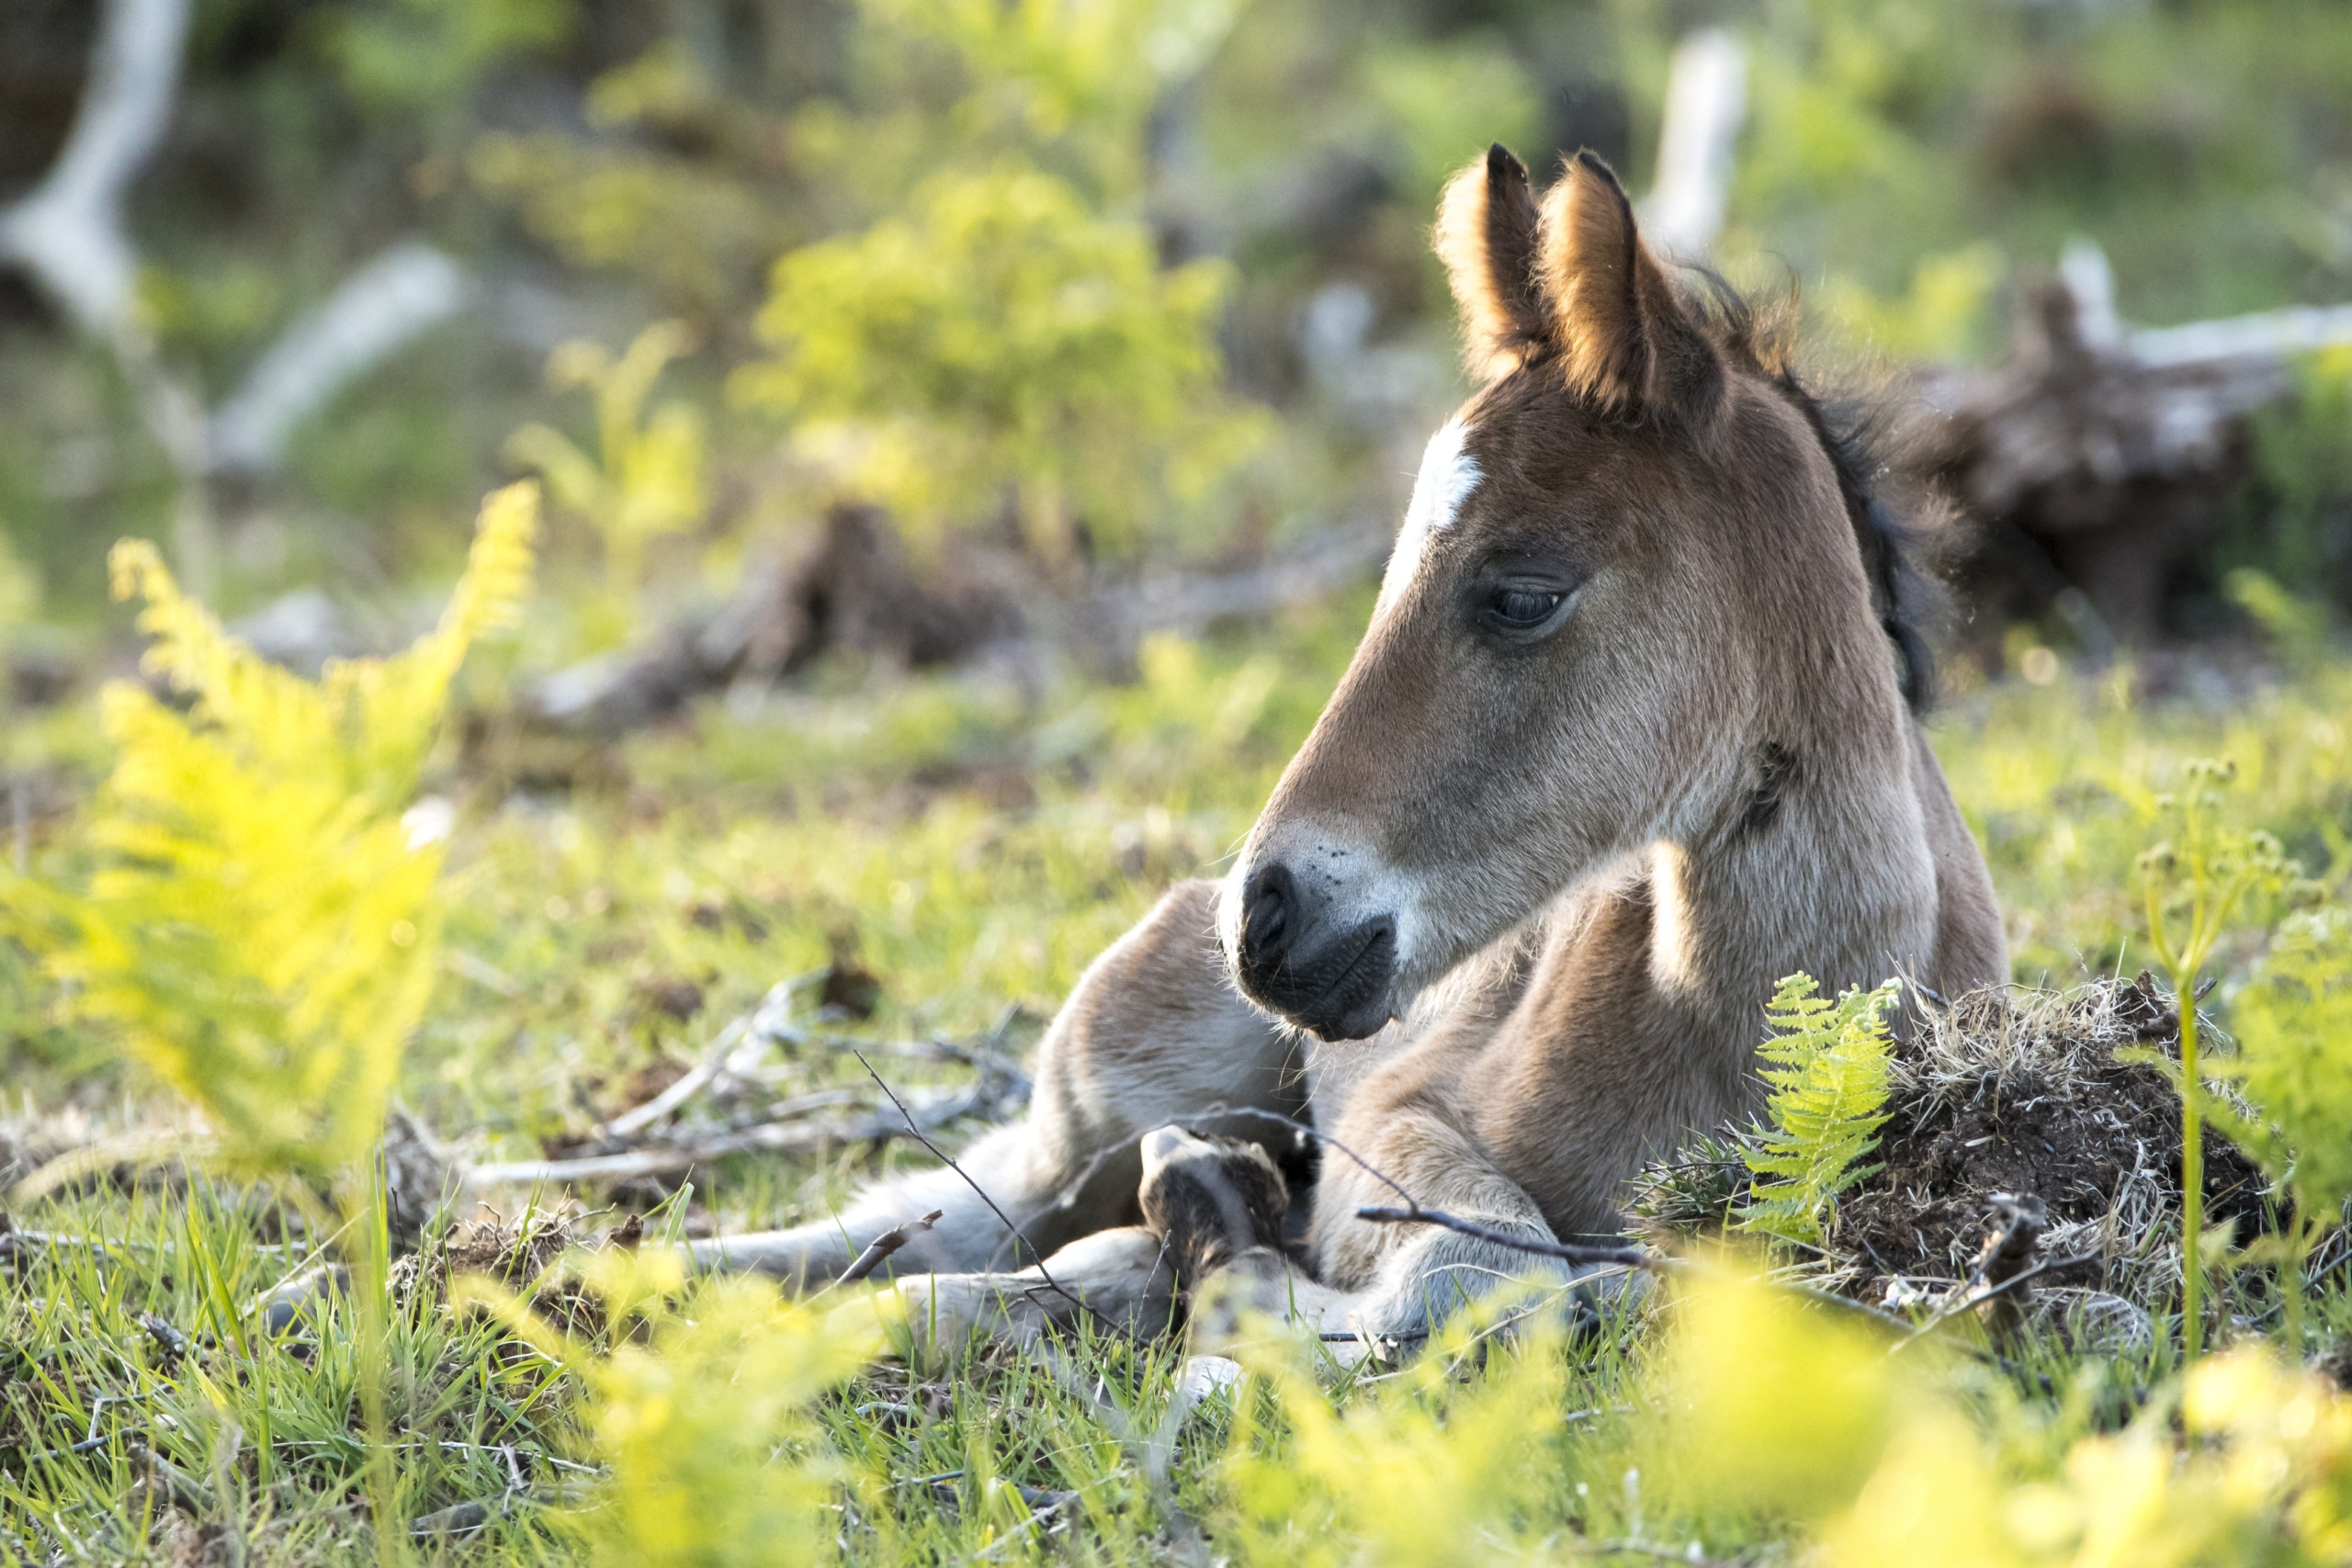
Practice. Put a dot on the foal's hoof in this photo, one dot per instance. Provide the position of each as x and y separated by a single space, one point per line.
1211 1199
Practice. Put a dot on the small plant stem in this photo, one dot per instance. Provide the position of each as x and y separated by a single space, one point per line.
2290 1278
2192 1171
372 1296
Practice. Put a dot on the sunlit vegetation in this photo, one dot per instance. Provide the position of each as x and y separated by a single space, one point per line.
1108 288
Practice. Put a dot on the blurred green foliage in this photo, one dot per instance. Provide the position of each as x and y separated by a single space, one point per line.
645 479
2296 521
1004 345
698 1403
405 57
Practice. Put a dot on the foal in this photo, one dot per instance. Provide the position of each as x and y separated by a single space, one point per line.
1626 741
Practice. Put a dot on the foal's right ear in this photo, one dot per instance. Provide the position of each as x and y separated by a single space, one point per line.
1486 237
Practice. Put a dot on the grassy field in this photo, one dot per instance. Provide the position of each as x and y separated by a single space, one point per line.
970 846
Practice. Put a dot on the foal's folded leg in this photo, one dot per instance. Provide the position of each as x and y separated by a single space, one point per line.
1213 1210
1118 1282
1405 1281
1153 1032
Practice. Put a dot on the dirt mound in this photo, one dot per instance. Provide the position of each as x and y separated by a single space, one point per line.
2020 1092
2009 1094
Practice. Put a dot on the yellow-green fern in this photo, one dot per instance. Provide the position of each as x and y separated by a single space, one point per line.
1827 1063
700 1411
646 479
259 923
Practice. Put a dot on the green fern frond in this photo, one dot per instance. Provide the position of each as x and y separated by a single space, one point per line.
260 927
1827 1063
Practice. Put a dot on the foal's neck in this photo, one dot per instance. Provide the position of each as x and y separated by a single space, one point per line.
1833 876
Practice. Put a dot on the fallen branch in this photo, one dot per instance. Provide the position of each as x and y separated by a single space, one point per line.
1706 98
851 589
1566 1251
771 1019
768 1138
2101 457
370 316
2017 1281
1186 602
68 232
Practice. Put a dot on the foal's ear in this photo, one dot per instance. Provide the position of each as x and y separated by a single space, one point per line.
1486 237
1626 341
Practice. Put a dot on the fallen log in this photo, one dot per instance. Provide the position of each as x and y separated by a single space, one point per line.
851 589
848 589
2101 458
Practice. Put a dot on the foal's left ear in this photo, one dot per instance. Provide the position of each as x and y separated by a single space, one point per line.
1626 341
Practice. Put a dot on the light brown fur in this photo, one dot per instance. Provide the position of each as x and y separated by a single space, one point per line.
1551 869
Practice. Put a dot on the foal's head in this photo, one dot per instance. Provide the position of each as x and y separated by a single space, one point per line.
1634 589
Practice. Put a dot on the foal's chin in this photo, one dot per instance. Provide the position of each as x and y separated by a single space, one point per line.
1345 991
1349 1020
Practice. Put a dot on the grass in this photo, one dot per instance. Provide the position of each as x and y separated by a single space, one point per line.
972 845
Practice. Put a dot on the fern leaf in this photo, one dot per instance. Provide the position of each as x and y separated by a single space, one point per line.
259 930
1826 1064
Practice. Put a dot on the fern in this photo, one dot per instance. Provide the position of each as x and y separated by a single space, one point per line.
1827 1063
701 1407
260 926
646 479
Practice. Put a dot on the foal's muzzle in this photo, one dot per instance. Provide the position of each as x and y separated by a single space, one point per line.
1324 975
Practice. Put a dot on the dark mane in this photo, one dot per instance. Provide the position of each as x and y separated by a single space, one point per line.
1849 429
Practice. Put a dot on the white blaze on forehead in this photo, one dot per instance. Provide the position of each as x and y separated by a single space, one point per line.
1448 476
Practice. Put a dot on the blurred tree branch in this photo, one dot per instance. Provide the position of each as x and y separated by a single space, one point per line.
69 235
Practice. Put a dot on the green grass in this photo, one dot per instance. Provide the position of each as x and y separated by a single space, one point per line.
973 847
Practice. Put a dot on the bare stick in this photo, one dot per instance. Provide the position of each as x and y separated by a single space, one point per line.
883 1245
768 1138
629 1124
1566 1252
68 232
1706 97
2015 1281
369 317
1618 1257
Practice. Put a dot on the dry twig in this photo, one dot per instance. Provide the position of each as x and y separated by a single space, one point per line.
778 1137
882 1245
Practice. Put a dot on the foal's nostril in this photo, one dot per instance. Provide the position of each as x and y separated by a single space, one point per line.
1266 916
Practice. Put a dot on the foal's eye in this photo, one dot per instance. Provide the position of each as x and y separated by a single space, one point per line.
1520 608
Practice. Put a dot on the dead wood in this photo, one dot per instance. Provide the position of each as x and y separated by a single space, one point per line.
2102 459
930 1111
2019 1220
851 587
